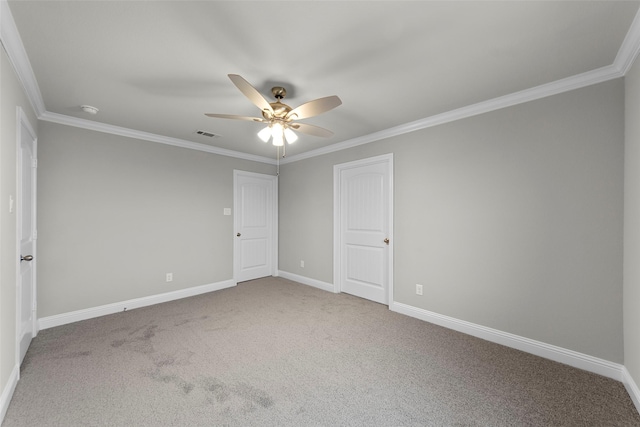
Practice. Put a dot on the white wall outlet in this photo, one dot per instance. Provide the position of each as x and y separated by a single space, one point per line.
169 277
227 211
418 289
302 263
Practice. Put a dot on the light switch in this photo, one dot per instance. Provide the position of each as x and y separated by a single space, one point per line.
227 211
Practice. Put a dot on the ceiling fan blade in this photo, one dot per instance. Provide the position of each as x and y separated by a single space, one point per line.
250 92
231 116
315 107
311 130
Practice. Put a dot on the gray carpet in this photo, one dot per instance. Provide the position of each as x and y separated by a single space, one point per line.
272 352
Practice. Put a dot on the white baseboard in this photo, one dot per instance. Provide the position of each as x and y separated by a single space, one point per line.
307 281
548 351
103 310
578 360
7 392
569 357
632 387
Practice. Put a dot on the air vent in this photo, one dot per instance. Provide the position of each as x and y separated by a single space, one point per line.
205 133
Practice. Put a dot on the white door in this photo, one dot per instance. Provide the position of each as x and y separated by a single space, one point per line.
26 212
255 219
363 203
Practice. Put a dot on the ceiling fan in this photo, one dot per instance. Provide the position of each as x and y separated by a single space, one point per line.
279 117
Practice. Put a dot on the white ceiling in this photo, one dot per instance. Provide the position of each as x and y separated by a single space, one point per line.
157 67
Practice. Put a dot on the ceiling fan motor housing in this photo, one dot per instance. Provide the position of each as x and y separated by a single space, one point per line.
280 110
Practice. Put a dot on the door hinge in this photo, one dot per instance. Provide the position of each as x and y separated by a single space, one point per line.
35 163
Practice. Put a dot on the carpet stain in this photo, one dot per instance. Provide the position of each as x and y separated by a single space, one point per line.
164 361
181 322
185 321
118 343
138 329
239 396
253 394
219 390
182 385
149 333
179 358
140 343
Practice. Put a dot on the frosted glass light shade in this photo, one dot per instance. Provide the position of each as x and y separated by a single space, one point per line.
278 141
265 134
290 136
277 134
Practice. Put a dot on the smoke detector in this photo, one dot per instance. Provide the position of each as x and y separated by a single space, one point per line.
89 109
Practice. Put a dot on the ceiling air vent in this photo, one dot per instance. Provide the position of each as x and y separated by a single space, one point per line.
205 133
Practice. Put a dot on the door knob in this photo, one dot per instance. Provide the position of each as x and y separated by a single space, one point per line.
238 234
26 258
386 240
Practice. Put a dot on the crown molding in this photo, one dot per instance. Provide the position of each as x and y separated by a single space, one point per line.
630 47
10 39
12 42
146 136
559 86
628 52
625 58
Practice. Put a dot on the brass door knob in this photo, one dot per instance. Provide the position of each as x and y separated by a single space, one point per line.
26 258
238 234
386 240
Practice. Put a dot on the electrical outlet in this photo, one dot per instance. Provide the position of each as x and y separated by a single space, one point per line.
418 289
169 277
302 263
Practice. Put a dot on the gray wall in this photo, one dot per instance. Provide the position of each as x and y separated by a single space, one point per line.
511 219
116 214
12 96
632 224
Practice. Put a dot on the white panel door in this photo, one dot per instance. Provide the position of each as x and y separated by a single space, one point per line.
255 218
365 228
26 211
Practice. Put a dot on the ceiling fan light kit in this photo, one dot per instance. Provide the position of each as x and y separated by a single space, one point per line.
279 117
278 134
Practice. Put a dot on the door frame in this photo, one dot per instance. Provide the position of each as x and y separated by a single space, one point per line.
274 215
337 224
23 121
